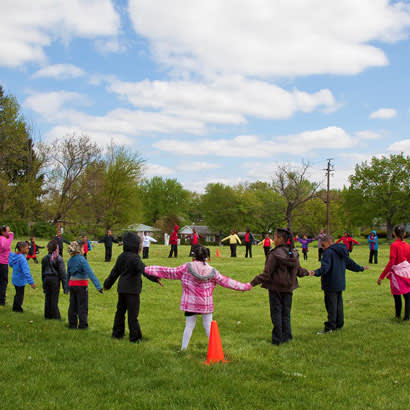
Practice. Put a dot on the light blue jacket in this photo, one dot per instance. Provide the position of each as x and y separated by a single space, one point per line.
374 241
21 271
79 269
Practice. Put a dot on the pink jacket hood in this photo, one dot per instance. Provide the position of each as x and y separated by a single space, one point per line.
200 270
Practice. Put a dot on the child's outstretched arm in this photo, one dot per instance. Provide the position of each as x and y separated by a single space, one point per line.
324 267
91 274
27 274
231 283
165 272
112 277
353 266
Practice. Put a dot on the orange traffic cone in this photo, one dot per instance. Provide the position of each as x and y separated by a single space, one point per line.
215 351
217 253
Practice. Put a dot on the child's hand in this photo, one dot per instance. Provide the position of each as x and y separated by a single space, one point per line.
101 290
33 286
312 273
366 268
160 283
379 281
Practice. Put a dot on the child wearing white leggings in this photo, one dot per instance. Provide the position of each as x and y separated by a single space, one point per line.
198 281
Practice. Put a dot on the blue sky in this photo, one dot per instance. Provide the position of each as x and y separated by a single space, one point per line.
215 91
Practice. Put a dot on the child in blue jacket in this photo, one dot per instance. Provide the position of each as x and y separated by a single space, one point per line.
78 272
373 242
21 274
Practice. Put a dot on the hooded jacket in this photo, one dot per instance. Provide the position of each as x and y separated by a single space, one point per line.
173 240
280 271
373 241
335 261
21 271
198 281
78 272
128 267
5 244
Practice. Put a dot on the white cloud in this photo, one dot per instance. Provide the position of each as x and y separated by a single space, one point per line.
383 114
226 100
368 135
249 146
50 104
28 27
269 38
112 45
400 146
59 71
152 170
196 166
119 123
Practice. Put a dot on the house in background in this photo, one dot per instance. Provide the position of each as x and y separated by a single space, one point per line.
141 228
206 235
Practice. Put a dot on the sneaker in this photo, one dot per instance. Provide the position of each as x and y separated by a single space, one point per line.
324 331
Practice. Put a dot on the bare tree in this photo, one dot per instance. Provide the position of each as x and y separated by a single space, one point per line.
69 159
292 184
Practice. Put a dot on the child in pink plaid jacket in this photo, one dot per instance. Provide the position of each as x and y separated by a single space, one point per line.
198 282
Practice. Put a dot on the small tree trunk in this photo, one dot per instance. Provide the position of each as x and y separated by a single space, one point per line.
389 229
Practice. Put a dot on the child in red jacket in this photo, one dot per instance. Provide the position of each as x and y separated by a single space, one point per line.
173 240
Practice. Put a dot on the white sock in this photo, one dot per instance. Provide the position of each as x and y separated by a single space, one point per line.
206 321
189 327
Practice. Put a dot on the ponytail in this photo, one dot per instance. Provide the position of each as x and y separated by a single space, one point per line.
399 231
288 239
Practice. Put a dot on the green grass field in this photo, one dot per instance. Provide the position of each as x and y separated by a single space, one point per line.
44 365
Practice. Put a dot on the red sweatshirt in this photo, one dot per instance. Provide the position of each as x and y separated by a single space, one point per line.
348 241
173 240
399 252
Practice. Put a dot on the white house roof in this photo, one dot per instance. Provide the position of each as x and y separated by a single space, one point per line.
142 228
201 229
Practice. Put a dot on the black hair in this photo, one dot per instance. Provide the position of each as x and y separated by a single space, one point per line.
52 246
201 253
287 236
400 231
3 228
21 245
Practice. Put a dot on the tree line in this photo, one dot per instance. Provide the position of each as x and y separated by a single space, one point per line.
74 182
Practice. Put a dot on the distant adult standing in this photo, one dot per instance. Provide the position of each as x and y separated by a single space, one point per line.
146 241
6 238
60 242
173 240
373 242
319 239
398 272
194 239
233 242
107 241
249 240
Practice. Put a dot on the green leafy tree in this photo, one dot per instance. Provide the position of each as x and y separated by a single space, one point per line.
162 198
380 189
21 177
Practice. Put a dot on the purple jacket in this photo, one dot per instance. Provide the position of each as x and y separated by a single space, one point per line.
305 242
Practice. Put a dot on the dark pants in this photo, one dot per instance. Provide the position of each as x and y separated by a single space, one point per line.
233 250
18 299
373 254
266 249
85 255
305 253
320 253
248 250
108 253
398 305
131 303
173 251
192 251
145 252
78 309
4 280
280 307
334 307
51 285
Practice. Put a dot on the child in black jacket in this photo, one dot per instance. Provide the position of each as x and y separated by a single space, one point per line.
129 268
335 261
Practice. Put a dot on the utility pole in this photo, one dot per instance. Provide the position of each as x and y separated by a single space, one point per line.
329 170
